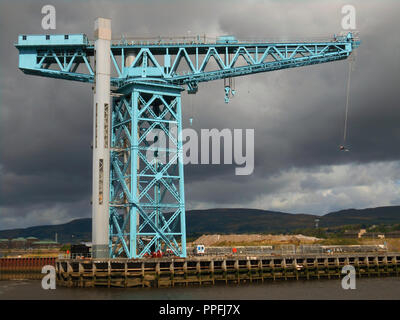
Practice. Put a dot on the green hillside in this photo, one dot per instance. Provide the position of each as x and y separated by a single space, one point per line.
380 215
233 220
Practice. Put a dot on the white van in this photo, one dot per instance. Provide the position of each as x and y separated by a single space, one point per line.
200 249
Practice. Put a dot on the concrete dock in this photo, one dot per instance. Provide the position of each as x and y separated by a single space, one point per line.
209 270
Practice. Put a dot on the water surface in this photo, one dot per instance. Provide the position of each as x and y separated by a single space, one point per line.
366 288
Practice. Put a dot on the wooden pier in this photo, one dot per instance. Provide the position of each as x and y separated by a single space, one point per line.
169 272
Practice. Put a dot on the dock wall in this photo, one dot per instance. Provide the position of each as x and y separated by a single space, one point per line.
23 268
164 272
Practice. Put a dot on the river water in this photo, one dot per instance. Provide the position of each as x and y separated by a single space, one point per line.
366 288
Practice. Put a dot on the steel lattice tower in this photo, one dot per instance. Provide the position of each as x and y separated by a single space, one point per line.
147 181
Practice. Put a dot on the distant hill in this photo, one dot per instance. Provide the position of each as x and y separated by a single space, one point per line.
245 221
232 220
80 229
384 215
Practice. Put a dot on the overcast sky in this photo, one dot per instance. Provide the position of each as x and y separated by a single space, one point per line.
297 114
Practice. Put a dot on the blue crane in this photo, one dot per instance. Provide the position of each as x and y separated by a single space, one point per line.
138 204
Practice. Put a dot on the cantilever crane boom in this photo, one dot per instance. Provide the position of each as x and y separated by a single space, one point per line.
138 203
67 52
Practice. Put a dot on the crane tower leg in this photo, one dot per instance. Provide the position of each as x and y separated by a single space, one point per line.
101 140
147 202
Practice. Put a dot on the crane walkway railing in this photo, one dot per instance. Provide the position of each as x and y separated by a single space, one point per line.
204 39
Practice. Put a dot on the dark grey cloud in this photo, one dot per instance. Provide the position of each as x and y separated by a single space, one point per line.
297 114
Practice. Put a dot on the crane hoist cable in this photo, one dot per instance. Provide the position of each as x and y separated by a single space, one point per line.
191 109
343 146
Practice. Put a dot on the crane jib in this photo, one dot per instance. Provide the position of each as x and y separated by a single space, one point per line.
71 57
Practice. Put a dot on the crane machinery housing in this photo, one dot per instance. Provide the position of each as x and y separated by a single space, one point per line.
138 205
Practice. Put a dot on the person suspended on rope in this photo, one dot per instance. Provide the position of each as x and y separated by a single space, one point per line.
343 148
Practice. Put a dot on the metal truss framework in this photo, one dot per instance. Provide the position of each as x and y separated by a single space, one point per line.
176 63
147 207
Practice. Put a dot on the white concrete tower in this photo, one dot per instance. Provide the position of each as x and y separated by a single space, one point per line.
101 139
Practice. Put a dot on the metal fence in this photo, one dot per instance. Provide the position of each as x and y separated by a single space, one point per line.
75 255
264 250
287 249
340 249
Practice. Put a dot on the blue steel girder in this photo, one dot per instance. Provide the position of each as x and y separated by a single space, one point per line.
146 195
175 63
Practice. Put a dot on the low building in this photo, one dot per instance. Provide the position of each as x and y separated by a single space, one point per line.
46 245
18 243
30 241
362 231
4 243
